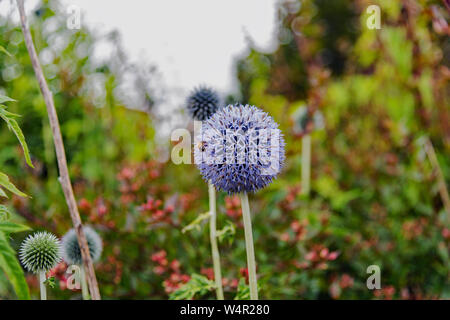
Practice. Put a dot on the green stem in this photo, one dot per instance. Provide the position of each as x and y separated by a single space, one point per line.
42 279
306 164
251 264
84 286
213 238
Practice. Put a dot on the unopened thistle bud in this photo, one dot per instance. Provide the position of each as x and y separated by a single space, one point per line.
71 250
202 103
40 252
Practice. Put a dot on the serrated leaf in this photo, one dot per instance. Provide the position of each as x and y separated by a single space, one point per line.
4 111
11 266
4 213
11 227
5 99
14 126
4 181
198 284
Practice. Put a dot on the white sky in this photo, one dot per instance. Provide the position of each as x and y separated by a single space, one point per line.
190 41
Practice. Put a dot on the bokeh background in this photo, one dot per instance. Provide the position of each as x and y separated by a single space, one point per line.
370 99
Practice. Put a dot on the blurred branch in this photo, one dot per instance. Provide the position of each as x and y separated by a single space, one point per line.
443 191
61 156
447 4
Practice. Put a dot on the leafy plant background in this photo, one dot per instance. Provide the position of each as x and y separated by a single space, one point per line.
9 263
374 197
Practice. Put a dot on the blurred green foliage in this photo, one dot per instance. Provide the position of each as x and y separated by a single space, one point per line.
9 262
371 180
374 197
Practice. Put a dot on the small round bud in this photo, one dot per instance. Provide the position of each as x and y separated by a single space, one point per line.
202 103
40 252
71 250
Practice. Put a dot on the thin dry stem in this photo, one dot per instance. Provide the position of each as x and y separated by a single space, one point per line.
61 155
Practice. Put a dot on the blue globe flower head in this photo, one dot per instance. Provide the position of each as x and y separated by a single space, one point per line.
202 103
240 149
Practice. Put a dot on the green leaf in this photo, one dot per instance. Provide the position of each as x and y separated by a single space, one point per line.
4 213
11 266
6 99
11 227
227 232
6 112
196 223
243 292
50 282
2 49
4 181
3 194
14 126
197 285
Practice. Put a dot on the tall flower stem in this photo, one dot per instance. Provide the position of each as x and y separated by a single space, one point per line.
213 238
251 264
42 279
306 163
84 285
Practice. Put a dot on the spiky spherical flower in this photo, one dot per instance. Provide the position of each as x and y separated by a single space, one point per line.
240 148
40 252
71 250
202 103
